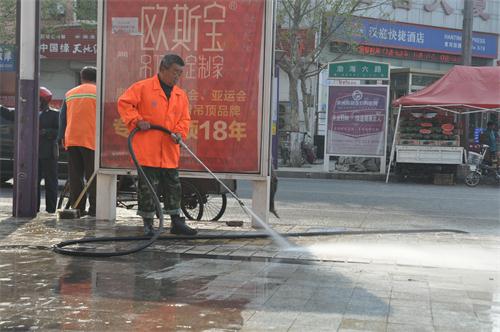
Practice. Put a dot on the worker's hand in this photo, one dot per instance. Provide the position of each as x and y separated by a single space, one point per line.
143 125
61 143
176 137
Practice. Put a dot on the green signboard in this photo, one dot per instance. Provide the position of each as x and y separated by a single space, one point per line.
358 69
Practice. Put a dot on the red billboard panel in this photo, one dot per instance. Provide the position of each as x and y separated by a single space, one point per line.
221 43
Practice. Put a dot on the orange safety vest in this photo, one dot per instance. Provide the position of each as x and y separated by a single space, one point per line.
80 116
145 100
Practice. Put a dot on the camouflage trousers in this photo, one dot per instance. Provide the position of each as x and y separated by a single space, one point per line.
167 186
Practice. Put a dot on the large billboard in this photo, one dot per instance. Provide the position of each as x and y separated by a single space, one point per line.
357 118
222 44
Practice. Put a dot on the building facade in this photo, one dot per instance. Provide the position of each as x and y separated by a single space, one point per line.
419 39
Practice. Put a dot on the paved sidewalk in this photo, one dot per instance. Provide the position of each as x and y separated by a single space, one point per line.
437 281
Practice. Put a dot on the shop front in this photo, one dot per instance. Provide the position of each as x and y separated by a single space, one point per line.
429 129
418 55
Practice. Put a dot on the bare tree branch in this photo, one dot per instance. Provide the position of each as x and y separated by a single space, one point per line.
305 28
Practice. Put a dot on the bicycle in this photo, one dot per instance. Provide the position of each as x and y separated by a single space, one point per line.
480 168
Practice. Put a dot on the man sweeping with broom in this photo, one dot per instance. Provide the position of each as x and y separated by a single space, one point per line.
158 101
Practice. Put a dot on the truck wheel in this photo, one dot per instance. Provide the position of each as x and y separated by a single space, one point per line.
472 179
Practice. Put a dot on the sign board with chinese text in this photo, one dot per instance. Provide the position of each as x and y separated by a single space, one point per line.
400 53
69 43
423 38
358 69
357 120
344 82
223 44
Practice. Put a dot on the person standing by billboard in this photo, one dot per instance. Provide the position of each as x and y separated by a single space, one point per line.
77 133
158 101
48 150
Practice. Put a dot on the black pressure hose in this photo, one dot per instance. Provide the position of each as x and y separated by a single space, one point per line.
60 247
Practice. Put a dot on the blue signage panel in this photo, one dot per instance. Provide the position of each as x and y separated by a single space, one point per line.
477 134
7 58
424 38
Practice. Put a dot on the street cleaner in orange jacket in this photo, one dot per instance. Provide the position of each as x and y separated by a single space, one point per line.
77 133
158 101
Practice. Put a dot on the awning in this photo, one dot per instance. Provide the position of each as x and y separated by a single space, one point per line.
463 90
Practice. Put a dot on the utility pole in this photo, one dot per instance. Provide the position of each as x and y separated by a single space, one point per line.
26 118
467 52
467 33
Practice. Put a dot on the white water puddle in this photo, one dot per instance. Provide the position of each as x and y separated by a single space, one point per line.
420 254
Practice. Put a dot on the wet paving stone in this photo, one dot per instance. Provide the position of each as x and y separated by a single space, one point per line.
387 282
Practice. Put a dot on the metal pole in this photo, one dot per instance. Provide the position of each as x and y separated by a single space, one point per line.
26 118
393 145
467 52
467 34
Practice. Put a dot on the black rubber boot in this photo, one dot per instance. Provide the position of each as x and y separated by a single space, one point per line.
148 227
178 226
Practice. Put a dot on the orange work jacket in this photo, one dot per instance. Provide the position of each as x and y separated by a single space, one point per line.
145 100
80 116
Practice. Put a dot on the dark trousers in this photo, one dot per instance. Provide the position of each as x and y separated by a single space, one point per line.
80 165
47 170
274 188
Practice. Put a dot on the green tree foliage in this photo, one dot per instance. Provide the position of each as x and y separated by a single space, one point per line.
86 10
8 22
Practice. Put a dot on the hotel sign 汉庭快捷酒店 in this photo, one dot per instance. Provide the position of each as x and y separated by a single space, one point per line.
406 36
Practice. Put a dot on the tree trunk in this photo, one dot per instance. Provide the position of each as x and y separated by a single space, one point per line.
296 159
305 104
294 103
295 153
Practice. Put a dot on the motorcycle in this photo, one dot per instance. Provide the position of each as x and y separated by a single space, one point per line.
479 167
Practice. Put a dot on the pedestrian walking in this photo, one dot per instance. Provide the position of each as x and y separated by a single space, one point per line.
159 101
77 133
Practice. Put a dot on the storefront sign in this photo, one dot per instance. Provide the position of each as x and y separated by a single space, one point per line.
7 58
478 6
70 43
408 54
356 120
478 9
221 44
358 69
423 38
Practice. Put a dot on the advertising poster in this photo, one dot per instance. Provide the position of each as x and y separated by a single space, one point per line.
356 120
221 43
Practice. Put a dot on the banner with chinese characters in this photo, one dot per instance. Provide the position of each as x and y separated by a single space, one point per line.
423 38
221 43
357 120
73 43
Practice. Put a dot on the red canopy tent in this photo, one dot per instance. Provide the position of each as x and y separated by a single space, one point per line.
462 90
